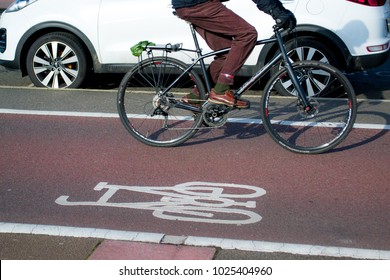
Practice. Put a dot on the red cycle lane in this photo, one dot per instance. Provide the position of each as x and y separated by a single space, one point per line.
51 168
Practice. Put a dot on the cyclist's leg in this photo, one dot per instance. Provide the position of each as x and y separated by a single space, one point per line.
215 42
221 28
220 25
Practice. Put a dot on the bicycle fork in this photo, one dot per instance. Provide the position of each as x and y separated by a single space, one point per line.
308 108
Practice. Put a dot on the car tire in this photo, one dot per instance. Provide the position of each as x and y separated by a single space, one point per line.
308 48
305 48
57 60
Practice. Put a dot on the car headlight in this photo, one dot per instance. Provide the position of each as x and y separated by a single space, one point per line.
18 5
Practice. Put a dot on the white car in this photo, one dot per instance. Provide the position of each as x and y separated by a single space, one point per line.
58 42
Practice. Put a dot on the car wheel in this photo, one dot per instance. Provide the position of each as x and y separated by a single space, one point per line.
57 60
305 48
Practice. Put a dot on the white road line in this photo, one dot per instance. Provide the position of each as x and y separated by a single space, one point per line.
115 115
227 244
59 113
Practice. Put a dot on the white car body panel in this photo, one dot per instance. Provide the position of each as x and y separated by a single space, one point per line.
113 26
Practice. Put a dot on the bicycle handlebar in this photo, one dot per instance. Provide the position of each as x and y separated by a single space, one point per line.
281 29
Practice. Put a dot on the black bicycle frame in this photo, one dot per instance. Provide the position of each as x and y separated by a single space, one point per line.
259 74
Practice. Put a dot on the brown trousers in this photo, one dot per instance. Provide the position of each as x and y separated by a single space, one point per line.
222 28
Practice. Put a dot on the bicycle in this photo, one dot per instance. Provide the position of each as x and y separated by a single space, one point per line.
306 107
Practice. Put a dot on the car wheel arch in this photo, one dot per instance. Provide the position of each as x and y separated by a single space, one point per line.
37 31
320 34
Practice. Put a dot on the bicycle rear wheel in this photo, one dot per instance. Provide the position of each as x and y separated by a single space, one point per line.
155 118
326 125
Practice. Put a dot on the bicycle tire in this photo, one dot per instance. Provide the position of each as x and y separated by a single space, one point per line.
154 119
327 125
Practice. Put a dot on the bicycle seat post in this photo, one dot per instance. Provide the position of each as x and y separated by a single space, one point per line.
199 54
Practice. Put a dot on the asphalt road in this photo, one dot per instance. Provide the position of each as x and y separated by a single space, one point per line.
67 161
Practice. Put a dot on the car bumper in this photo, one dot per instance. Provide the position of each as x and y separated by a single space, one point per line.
359 63
4 58
9 64
3 40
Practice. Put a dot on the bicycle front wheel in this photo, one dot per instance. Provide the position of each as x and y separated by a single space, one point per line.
152 116
331 118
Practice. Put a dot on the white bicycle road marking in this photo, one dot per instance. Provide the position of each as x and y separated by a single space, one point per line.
193 201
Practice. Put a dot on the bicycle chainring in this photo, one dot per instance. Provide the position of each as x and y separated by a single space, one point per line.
214 115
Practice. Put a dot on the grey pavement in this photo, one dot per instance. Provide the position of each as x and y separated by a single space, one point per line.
45 247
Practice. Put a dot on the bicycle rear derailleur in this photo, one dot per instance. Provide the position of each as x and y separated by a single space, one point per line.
162 104
215 115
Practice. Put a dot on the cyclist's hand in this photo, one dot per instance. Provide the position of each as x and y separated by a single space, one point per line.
284 19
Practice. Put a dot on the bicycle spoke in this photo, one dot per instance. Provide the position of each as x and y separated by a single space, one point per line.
149 114
332 117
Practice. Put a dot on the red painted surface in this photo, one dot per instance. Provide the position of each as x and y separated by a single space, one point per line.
121 250
336 199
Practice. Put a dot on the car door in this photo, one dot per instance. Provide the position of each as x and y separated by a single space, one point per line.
123 23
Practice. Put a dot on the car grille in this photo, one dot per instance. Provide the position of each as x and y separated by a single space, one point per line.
3 40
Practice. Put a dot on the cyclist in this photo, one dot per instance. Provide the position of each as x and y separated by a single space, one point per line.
222 28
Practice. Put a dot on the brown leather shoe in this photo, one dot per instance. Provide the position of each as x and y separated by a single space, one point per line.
228 99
